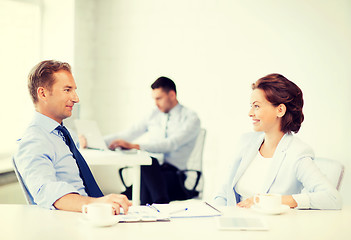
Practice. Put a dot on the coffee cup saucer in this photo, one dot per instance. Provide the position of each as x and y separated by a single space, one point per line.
101 223
275 211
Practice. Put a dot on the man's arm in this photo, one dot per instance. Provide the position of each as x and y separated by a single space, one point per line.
74 202
188 131
129 135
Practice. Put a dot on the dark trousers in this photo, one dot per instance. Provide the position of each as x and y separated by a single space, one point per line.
160 184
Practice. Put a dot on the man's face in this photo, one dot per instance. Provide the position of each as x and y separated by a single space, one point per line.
163 100
58 103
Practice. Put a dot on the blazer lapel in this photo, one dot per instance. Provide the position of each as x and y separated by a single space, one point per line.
278 159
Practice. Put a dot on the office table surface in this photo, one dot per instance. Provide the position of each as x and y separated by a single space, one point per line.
120 158
32 222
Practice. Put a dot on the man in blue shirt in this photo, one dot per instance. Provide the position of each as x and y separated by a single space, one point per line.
172 130
44 160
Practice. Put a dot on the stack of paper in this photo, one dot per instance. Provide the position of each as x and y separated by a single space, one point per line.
143 214
188 209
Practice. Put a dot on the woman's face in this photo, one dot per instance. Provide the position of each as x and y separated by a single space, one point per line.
266 117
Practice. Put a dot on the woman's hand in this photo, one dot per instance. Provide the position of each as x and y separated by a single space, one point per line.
247 203
286 200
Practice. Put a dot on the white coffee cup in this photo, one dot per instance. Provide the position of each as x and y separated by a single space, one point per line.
98 212
268 201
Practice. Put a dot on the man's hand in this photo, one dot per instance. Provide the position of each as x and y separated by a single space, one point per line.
82 141
122 144
74 202
117 200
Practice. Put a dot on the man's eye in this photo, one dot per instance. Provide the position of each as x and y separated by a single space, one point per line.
256 106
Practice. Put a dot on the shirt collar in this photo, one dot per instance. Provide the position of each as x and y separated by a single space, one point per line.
44 121
175 110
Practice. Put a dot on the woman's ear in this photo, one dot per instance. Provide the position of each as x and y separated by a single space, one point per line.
281 110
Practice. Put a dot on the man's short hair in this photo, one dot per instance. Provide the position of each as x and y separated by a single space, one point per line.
165 83
41 75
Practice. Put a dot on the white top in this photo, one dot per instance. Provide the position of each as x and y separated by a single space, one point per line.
253 178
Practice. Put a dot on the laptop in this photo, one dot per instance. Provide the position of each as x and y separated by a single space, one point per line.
90 130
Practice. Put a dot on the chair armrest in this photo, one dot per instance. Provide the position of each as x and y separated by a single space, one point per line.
180 172
120 171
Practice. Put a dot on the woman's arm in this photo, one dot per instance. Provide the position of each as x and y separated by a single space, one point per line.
319 192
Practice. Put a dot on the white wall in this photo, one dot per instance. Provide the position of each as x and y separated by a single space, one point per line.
31 31
58 30
214 50
19 48
84 54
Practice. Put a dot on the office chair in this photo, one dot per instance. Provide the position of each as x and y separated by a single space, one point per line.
333 170
27 195
193 184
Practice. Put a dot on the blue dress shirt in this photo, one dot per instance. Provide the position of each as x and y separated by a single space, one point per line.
46 164
172 134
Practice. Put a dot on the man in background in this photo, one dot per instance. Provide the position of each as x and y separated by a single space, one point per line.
172 130
48 160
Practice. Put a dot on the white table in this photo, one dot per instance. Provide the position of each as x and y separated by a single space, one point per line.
32 222
121 159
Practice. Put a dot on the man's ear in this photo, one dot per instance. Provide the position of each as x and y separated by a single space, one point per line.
281 110
172 94
42 93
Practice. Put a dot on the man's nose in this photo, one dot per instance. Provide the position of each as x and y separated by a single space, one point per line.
75 98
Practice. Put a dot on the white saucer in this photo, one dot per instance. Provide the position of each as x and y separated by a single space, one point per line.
108 222
279 210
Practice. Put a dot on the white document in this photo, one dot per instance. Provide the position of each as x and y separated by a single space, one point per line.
142 214
188 209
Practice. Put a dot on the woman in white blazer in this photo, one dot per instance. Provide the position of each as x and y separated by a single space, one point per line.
272 160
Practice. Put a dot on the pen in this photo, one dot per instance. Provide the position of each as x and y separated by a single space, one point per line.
153 207
212 207
177 211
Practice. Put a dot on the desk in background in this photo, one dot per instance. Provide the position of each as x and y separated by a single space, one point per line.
32 222
120 159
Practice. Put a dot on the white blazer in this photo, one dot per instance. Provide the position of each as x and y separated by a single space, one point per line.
292 170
